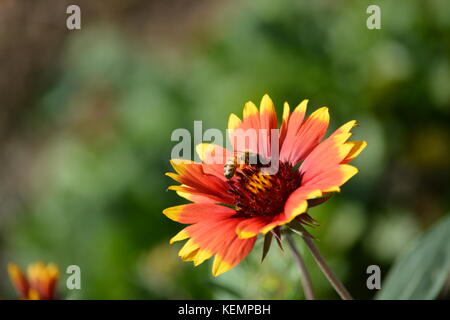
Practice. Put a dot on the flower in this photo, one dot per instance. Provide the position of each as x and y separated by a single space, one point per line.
226 215
39 282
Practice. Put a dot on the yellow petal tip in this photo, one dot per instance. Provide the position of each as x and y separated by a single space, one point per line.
245 234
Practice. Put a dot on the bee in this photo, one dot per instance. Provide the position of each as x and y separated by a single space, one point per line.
239 159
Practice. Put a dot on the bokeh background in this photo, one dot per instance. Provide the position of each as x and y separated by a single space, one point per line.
86 118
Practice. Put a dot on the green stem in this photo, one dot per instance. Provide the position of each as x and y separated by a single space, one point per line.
329 274
306 281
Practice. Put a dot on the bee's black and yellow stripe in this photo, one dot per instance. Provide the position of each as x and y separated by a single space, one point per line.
229 169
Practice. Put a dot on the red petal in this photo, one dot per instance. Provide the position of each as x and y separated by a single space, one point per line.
213 158
197 212
250 227
296 147
327 155
331 180
268 122
192 175
297 202
215 237
253 133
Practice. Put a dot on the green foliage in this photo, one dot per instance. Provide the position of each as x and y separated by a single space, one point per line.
421 272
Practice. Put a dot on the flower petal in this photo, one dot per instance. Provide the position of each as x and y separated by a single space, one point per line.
213 158
223 243
193 176
345 128
253 133
250 227
42 279
182 235
251 116
230 256
18 279
331 180
298 144
284 123
297 202
331 152
197 212
327 155
234 122
192 195
293 125
357 147
268 122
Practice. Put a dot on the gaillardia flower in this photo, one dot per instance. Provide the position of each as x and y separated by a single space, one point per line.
39 282
227 214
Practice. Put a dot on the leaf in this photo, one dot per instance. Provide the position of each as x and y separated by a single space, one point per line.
307 220
267 243
421 272
297 227
317 201
277 233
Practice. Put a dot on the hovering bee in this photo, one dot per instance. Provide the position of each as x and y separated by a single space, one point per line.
240 158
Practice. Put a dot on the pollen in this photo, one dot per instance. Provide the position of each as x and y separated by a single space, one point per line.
259 195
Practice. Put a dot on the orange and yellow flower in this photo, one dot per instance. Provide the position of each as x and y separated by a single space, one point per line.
226 215
39 283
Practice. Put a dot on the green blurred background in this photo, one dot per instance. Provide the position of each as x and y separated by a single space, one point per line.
86 118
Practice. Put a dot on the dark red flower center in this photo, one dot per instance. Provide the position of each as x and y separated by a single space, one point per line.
259 195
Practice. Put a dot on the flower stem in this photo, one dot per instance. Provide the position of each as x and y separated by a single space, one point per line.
329 274
306 281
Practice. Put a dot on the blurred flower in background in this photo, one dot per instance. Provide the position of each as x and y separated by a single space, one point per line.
39 282
87 115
